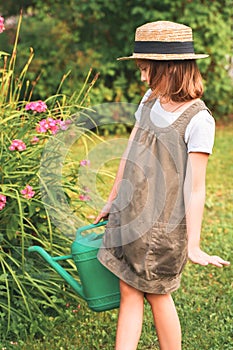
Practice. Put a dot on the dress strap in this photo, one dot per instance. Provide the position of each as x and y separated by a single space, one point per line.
184 119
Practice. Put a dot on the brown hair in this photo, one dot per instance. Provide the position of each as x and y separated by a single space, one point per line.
175 80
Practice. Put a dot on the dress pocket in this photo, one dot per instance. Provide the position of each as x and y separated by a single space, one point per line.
168 250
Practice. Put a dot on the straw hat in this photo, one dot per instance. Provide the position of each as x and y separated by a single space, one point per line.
164 40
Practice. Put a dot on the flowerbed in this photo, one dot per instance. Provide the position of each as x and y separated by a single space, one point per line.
29 293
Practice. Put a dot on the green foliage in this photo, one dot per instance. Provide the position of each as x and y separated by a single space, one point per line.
29 293
212 25
77 35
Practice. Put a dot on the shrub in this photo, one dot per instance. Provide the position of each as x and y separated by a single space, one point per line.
28 296
84 34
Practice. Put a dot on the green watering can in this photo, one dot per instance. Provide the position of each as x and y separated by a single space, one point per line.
99 287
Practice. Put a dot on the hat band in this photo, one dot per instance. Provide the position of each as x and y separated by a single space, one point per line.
161 47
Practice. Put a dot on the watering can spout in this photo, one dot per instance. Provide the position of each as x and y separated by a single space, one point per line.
52 261
98 286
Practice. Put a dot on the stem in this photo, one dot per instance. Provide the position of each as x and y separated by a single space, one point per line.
14 55
90 87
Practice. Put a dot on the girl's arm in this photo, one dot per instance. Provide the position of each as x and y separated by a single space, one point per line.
194 195
105 211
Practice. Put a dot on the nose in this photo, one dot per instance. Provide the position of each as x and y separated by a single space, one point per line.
143 76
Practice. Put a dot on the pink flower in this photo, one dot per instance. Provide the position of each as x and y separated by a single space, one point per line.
53 125
43 126
27 192
64 124
37 106
17 145
2 27
2 198
85 162
2 205
2 201
84 197
35 140
48 124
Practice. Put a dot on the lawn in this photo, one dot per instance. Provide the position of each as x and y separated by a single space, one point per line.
205 299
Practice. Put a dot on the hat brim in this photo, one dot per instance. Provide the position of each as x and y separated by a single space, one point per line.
163 57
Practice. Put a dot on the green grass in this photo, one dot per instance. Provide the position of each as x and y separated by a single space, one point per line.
205 299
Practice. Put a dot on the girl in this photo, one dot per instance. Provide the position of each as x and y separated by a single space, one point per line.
156 205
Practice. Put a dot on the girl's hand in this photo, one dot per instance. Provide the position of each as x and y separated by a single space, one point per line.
197 256
104 213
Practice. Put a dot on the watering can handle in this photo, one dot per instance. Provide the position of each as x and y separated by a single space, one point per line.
89 227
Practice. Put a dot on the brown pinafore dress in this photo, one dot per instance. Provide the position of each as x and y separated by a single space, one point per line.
145 242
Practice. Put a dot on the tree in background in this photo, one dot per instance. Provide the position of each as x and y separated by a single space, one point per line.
77 34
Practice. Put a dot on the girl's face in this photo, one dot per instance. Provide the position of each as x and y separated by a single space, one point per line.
144 68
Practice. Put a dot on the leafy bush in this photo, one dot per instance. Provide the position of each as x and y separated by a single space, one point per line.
81 34
28 296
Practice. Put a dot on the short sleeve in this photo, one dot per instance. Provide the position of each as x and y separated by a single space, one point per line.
200 133
139 110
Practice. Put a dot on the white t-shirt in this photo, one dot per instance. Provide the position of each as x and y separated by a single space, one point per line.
199 134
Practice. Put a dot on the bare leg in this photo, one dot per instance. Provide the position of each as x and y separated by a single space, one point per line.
166 321
130 318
